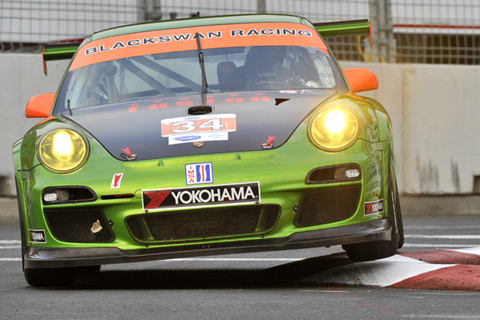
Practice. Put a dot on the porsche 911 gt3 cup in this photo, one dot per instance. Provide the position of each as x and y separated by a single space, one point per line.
204 136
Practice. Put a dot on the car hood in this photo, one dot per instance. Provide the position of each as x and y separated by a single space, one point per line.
153 129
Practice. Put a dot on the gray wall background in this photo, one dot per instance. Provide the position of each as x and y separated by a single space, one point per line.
435 111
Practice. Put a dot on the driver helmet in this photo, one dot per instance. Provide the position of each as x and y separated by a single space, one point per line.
269 63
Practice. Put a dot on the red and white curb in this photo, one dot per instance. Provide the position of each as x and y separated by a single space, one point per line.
428 269
461 273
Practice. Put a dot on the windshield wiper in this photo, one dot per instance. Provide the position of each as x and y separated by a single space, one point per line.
201 60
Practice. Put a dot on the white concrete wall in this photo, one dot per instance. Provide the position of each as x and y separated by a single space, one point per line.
21 77
435 111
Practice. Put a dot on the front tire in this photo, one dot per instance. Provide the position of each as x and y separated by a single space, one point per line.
53 277
89 271
373 250
22 226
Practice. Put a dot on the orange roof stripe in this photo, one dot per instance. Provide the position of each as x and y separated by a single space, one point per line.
215 36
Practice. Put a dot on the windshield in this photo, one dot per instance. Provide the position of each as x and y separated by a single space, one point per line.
134 77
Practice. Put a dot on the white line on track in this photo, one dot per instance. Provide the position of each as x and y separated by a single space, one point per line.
212 259
440 227
324 291
443 316
423 236
438 245
238 259
10 242
10 247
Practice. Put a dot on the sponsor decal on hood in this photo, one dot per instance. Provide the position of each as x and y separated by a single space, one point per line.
210 127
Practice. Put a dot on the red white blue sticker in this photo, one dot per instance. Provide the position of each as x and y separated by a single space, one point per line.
374 207
199 173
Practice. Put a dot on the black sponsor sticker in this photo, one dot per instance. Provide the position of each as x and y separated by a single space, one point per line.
201 196
37 236
374 207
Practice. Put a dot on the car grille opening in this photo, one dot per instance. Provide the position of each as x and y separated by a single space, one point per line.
327 205
203 224
76 225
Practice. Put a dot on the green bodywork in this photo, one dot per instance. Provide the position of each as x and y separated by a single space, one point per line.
265 166
281 172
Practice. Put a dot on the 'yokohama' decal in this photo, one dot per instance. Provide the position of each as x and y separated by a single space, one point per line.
374 207
201 196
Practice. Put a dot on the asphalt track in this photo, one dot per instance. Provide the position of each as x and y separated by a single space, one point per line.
449 269
437 269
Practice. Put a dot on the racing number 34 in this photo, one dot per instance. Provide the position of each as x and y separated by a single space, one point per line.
204 123
189 126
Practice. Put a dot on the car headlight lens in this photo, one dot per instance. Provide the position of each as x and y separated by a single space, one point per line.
334 129
62 150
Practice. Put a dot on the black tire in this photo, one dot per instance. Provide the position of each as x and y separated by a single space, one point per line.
90 270
22 227
373 250
54 277
394 209
399 221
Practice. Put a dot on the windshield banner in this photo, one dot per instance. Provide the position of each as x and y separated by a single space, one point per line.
184 39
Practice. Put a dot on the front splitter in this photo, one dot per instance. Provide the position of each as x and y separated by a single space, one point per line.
376 230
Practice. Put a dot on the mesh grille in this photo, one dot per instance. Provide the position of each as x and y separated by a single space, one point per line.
327 206
75 225
195 225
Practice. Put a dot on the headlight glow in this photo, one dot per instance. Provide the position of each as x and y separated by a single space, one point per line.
335 121
62 150
334 129
62 144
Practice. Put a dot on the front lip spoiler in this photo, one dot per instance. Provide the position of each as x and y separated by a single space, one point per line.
36 257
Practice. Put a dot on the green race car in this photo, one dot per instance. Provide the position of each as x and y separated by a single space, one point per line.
204 136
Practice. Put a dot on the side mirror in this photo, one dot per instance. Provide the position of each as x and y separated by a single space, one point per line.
360 79
40 106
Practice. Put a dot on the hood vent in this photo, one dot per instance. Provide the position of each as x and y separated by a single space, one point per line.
198 110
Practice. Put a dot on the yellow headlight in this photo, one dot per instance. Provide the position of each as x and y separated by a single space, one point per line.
62 150
334 129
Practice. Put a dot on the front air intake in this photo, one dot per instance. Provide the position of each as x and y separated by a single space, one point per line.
78 225
327 205
203 224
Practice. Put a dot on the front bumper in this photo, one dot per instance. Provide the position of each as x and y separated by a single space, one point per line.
376 230
303 204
